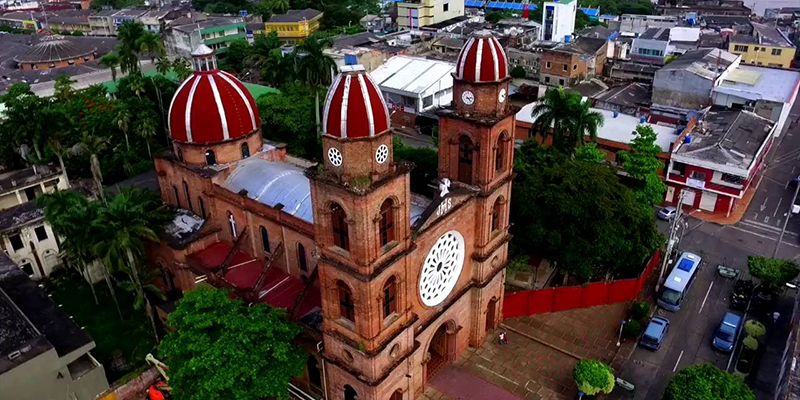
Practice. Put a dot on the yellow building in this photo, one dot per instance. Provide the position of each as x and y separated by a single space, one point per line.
295 25
767 46
414 14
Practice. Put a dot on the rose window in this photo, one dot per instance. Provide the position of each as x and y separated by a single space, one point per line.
335 156
442 268
382 154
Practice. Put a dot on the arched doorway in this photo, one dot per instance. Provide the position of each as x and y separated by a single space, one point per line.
491 314
397 395
314 374
350 393
441 350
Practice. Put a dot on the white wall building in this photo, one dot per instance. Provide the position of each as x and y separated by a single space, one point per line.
414 14
558 20
24 235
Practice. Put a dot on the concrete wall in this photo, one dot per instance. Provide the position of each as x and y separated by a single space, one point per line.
681 89
46 376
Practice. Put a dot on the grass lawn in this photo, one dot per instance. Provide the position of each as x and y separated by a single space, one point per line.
130 336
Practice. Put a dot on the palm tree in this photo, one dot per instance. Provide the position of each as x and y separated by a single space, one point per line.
63 88
163 65
111 61
551 114
61 127
92 145
279 6
182 68
123 120
130 219
315 66
279 69
147 130
151 43
582 122
129 35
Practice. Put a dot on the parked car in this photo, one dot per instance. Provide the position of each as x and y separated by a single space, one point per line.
726 334
655 333
667 213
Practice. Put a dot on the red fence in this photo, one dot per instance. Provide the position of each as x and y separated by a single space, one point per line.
540 301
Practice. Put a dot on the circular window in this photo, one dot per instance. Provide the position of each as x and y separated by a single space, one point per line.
382 154
335 156
347 356
441 269
395 351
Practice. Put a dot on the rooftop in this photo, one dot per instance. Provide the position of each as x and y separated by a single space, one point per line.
295 16
633 94
705 63
726 137
589 45
36 320
661 34
770 35
54 48
411 74
725 21
131 12
20 215
590 88
448 22
209 23
358 39
761 83
11 180
597 32
619 128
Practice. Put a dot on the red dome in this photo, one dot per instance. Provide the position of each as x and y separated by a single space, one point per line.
482 59
211 106
354 106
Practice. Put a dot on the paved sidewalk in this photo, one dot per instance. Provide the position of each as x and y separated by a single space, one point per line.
459 384
738 209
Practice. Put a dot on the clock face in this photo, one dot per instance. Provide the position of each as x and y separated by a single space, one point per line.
441 268
467 97
502 96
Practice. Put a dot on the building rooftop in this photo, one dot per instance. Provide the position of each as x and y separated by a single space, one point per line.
448 22
661 34
295 16
726 137
761 83
597 32
131 12
20 215
632 66
619 128
591 88
209 23
104 13
725 21
11 180
633 94
705 63
410 74
36 321
55 48
588 45
74 17
358 39
770 35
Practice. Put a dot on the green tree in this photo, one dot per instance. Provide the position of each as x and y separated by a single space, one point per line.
582 122
551 114
706 382
754 328
151 43
279 6
518 72
568 117
238 51
289 117
92 145
146 129
426 164
772 272
495 16
123 120
642 165
315 66
182 68
593 377
590 153
279 69
129 35
222 348
111 61
62 89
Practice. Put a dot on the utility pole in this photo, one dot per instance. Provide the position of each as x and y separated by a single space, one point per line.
673 230
788 215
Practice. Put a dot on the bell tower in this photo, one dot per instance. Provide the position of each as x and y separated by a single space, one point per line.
361 201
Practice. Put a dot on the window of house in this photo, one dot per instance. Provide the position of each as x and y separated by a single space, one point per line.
16 242
497 214
265 240
465 154
347 309
188 197
565 67
698 175
389 297
498 153
202 207
177 196
574 67
41 233
561 82
679 168
314 373
734 179
211 158
740 48
302 262
28 268
776 52
548 65
341 234
245 150
386 223
755 48
546 79
30 193
445 7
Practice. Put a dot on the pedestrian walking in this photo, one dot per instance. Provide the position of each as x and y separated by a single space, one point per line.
503 338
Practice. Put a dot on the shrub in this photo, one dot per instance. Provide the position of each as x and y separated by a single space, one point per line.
706 382
518 72
593 377
755 329
640 309
750 343
632 329
518 263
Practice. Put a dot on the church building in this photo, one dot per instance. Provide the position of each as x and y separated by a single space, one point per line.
389 286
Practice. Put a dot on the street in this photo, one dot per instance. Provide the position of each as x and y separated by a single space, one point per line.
692 328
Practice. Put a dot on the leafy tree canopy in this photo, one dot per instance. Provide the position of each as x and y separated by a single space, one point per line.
642 164
772 272
593 377
518 72
288 117
426 164
706 382
577 214
223 348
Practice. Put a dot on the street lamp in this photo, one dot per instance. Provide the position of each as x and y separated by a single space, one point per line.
672 241
788 215
619 338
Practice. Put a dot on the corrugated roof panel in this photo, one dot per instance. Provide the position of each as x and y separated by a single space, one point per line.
744 76
410 74
273 183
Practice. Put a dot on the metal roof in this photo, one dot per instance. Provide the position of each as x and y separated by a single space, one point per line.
771 84
411 74
274 183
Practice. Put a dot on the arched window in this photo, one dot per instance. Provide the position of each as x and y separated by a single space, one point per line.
265 240
177 196
386 224
350 393
232 224
341 234
301 257
465 154
245 150
497 214
499 151
389 297
347 308
202 207
314 375
211 158
188 197
180 154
